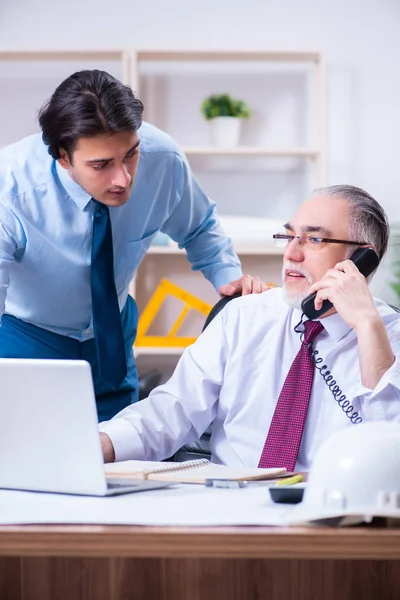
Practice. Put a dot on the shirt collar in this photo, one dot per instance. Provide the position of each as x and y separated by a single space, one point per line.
73 189
334 325
337 328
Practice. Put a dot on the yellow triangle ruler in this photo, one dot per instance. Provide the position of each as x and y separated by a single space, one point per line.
190 301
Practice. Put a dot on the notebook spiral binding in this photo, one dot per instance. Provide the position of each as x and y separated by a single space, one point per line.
187 464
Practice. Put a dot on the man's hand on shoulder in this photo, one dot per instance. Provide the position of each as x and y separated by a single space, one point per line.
247 284
107 447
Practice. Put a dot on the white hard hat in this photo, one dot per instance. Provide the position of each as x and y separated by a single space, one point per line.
356 472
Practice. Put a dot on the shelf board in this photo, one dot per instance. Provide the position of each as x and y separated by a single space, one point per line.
157 350
228 55
165 56
249 250
25 55
250 151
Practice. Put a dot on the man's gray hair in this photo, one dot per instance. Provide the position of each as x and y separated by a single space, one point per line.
368 220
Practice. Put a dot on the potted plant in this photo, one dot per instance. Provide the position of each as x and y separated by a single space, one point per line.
224 114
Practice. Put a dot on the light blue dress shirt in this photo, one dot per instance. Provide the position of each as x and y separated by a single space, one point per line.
46 222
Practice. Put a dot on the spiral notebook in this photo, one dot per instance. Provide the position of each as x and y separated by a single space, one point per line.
191 471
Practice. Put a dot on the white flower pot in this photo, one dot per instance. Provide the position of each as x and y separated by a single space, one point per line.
225 131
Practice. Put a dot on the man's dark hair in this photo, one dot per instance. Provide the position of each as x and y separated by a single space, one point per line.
88 104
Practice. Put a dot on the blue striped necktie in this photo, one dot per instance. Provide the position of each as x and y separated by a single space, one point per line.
106 314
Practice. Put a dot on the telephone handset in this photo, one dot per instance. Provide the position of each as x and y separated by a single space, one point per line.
365 259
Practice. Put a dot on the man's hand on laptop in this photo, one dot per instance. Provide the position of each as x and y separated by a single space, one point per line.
107 447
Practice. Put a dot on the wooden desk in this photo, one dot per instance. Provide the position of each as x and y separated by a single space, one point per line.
132 563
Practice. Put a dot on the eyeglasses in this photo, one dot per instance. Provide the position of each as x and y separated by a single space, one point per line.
310 241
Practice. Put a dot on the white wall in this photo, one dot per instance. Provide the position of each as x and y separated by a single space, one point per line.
359 38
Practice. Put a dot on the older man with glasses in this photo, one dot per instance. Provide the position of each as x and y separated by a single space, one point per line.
274 383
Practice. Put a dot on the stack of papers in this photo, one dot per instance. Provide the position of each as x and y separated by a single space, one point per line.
186 505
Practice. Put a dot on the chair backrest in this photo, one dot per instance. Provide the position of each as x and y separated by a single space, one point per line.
218 307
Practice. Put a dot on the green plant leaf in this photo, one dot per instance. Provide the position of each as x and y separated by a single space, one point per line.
222 105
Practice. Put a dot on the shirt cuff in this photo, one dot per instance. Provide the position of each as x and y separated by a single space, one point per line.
225 276
373 408
392 376
125 439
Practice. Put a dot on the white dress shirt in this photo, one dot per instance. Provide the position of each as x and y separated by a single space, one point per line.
233 374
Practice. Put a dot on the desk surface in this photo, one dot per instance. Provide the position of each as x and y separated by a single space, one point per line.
368 542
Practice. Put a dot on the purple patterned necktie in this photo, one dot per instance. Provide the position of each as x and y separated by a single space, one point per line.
284 436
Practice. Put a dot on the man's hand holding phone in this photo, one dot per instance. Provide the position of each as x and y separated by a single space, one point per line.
347 289
365 259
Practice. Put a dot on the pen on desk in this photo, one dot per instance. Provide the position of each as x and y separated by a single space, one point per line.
225 483
290 480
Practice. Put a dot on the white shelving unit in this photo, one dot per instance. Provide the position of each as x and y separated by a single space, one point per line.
256 250
170 261
262 260
70 56
250 151
316 154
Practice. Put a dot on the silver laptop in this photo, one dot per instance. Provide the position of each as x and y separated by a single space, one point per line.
49 438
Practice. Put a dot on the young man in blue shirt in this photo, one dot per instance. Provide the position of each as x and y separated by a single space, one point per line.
96 165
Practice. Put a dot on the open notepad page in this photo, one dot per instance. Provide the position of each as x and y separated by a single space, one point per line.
194 471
